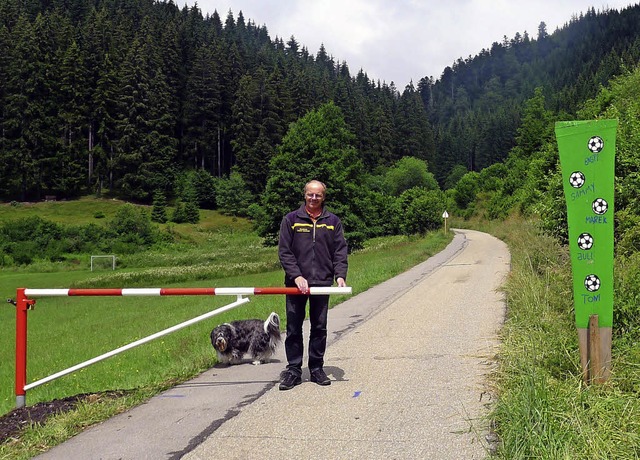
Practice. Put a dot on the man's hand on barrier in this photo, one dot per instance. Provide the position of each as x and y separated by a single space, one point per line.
302 284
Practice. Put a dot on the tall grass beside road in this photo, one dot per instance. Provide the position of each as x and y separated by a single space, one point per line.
544 410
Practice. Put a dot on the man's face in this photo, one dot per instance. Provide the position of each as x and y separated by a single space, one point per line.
314 196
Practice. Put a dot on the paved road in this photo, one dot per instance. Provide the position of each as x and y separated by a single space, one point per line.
409 360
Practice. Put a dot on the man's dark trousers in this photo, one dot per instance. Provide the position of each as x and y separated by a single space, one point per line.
294 345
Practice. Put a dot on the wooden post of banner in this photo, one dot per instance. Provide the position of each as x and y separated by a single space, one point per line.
595 352
595 361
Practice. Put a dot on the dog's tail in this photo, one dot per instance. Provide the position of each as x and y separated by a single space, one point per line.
272 324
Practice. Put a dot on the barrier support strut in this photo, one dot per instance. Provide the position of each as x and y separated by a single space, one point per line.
241 300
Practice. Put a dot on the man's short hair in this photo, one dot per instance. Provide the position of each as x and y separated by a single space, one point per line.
324 187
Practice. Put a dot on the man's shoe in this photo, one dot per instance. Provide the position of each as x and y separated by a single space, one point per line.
318 376
288 380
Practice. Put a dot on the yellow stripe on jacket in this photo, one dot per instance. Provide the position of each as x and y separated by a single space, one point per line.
328 227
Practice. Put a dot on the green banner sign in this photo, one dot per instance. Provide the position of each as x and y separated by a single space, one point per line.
587 159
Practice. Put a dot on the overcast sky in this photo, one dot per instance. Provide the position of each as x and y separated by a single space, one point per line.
402 40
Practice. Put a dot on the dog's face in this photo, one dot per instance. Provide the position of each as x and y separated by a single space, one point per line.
220 337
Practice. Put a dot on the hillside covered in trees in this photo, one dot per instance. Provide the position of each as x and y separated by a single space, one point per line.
127 97
475 107
147 102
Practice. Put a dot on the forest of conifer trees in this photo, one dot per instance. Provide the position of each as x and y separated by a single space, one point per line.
124 97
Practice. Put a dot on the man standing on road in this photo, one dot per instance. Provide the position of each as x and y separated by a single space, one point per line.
313 252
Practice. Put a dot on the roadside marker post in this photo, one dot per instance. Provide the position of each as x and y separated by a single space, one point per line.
445 216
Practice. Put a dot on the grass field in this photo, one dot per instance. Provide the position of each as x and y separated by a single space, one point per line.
83 211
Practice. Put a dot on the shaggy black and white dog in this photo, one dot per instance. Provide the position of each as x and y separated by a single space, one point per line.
259 339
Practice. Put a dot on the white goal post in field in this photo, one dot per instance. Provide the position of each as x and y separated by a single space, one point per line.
112 257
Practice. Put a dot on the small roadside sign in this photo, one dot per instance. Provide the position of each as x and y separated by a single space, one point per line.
445 216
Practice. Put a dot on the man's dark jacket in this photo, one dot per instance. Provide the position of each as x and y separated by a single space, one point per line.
317 251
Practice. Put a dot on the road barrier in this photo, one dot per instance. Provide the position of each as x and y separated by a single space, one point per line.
26 299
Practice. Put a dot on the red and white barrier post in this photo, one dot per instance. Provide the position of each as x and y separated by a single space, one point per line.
25 300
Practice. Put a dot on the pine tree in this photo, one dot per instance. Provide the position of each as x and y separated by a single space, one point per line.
171 69
133 95
159 210
104 113
191 212
5 56
189 197
73 96
259 114
232 195
246 126
380 150
202 111
179 215
96 39
147 148
414 136
24 114
536 127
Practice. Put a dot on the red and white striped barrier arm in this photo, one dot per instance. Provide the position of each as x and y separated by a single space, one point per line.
124 292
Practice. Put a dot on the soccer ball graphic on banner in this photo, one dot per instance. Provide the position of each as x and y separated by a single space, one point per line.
599 206
592 283
595 144
585 241
576 179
